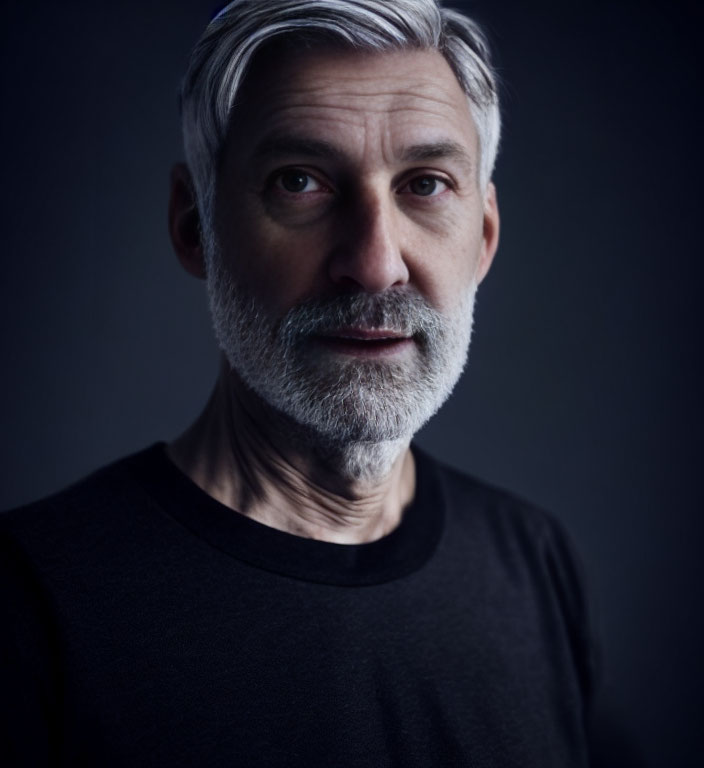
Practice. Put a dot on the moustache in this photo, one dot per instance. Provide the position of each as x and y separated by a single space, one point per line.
400 311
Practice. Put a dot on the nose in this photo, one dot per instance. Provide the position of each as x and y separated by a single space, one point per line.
369 254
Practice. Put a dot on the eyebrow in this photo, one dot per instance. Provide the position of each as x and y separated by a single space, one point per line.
437 150
278 146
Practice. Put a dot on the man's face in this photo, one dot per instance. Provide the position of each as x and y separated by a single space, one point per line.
349 236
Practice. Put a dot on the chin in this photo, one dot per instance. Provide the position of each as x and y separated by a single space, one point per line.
365 462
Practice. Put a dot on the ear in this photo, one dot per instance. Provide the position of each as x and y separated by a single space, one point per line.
184 222
490 235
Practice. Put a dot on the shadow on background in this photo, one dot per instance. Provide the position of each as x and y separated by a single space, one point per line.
584 385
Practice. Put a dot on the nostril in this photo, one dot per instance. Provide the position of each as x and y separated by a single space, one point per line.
370 272
371 260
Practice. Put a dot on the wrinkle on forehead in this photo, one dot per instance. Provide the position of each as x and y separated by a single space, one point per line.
303 79
389 94
393 98
366 105
368 81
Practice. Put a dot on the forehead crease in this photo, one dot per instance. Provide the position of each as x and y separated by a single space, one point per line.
380 101
422 117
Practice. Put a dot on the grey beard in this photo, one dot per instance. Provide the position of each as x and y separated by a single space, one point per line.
356 415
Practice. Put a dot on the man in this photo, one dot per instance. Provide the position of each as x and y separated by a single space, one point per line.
289 583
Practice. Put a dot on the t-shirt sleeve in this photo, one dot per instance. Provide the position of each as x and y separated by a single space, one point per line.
610 743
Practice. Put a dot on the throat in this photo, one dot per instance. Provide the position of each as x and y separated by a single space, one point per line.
240 454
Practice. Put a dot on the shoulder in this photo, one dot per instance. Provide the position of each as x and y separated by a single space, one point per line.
473 503
521 553
508 538
74 518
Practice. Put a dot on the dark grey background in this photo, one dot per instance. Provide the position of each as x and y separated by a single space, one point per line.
584 385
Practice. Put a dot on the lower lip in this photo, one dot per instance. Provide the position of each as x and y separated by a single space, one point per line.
367 348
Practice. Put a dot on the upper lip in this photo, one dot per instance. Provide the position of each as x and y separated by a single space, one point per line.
365 334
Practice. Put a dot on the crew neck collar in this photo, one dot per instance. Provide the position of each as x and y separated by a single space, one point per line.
393 556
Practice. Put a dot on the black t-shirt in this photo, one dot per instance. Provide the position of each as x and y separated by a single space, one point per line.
148 625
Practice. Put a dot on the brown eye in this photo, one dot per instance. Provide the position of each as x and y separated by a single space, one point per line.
424 186
296 181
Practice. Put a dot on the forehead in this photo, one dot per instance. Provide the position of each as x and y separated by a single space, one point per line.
389 100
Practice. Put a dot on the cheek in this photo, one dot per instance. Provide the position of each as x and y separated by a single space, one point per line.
279 266
448 259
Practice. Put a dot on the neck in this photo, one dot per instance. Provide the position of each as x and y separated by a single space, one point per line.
252 459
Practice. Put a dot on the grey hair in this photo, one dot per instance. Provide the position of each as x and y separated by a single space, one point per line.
220 59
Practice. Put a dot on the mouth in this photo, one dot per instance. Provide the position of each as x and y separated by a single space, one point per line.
365 342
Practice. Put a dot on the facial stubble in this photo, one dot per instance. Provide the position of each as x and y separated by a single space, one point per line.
355 414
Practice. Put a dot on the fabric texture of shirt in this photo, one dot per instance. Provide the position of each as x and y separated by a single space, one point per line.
150 625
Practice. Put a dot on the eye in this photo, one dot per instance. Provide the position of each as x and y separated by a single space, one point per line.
296 181
426 186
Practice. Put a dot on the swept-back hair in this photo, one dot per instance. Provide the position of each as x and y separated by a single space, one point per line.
220 59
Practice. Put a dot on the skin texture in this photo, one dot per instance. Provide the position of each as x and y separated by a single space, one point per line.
341 172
